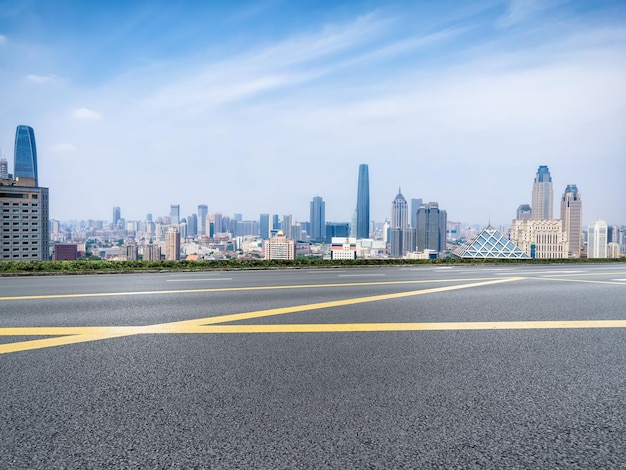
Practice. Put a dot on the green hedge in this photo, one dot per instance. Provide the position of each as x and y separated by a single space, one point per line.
93 266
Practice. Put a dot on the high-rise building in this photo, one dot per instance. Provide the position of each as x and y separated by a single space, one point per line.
597 239
337 229
25 163
151 252
399 212
571 218
415 205
543 195
524 211
363 203
203 210
117 216
172 243
174 214
25 205
318 219
402 238
192 225
4 169
264 226
431 228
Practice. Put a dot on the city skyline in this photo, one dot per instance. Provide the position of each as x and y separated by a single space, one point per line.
453 102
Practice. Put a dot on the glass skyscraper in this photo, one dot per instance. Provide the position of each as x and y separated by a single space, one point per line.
318 219
363 203
25 163
543 194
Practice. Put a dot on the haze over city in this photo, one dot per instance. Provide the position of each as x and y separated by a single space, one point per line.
258 107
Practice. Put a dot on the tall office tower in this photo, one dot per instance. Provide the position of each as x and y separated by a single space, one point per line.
264 226
238 217
192 225
174 214
285 226
25 220
117 216
399 226
524 211
597 239
363 203
218 219
203 210
25 163
172 243
4 169
318 219
571 218
148 217
399 212
431 227
415 205
543 194
275 222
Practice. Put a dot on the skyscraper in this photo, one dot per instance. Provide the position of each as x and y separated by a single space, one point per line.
264 226
203 210
431 227
174 214
399 212
543 194
363 203
117 215
172 243
415 205
524 211
318 219
571 218
25 163
597 241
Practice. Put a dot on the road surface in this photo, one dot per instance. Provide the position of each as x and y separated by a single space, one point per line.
398 367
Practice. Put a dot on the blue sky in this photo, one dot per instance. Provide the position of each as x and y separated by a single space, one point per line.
258 106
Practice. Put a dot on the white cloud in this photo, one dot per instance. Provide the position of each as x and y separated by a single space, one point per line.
40 78
3 39
85 114
63 148
521 10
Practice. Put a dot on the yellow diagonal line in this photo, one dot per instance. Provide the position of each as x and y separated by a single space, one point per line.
231 289
172 327
83 334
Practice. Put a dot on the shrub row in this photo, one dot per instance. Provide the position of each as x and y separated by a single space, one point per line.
93 266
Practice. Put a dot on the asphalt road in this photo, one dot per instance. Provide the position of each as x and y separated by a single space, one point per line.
447 367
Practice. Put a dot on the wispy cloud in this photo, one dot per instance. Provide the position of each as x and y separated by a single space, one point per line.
41 78
85 114
519 11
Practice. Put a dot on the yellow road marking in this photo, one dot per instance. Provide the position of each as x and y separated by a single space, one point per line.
232 289
611 273
588 281
73 335
438 326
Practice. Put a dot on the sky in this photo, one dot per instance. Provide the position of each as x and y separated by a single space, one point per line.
258 106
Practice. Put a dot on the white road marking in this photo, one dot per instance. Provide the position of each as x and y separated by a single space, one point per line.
361 275
203 279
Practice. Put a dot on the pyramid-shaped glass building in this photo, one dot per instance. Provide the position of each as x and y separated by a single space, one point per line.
490 243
